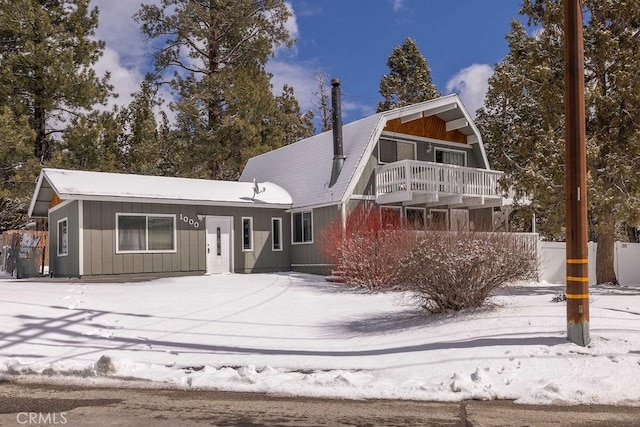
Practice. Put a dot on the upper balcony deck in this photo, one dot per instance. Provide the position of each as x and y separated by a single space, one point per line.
413 182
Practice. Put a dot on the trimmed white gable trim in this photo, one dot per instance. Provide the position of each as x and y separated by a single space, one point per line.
72 197
34 198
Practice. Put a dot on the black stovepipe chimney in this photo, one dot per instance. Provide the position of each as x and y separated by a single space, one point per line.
336 116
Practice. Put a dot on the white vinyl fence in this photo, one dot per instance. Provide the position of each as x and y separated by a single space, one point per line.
626 262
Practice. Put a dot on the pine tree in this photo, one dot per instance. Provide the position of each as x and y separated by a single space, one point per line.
409 79
523 117
217 50
323 101
18 169
293 124
91 142
145 143
48 50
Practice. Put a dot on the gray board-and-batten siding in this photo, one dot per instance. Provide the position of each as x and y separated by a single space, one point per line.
308 257
97 250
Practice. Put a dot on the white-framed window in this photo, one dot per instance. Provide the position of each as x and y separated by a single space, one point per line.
390 216
302 227
459 220
439 219
451 157
415 218
276 234
63 237
136 233
247 234
390 150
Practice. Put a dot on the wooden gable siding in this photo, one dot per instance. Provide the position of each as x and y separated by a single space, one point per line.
55 200
427 127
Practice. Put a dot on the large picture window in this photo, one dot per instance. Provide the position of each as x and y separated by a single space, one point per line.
63 237
145 233
302 227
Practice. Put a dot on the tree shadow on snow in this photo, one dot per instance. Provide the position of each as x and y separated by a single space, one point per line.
383 323
56 331
529 289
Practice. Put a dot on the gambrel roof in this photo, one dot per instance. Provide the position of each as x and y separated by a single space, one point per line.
120 187
304 168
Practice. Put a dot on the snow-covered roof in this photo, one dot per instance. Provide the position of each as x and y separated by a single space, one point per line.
304 168
84 185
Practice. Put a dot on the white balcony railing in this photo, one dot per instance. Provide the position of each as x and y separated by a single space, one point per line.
436 178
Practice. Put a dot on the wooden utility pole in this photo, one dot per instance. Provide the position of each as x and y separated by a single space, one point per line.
577 288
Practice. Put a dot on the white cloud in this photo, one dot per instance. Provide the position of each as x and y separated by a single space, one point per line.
286 70
118 29
125 55
124 80
471 84
292 23
397 5
300 76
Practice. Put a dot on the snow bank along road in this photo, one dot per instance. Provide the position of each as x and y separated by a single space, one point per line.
137 407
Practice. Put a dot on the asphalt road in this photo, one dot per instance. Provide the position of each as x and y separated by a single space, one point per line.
23 404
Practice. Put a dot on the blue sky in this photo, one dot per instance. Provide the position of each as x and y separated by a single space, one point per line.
352 39
349 39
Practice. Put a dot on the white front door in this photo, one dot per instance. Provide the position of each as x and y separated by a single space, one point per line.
219 244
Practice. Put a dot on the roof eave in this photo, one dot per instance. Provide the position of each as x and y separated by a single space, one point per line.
125 199
36 193
362 162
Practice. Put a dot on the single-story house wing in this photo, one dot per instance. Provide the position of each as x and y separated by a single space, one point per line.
110 224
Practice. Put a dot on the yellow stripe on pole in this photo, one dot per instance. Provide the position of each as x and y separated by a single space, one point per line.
577 279
577 261
577 296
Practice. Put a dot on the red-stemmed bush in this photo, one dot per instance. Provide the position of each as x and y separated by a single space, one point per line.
367 249
445 270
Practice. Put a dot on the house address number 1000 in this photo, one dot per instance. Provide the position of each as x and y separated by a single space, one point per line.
189 221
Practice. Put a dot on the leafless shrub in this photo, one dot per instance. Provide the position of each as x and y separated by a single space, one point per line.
458 270
366 251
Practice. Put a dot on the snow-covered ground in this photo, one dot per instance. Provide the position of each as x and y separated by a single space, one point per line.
296 334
